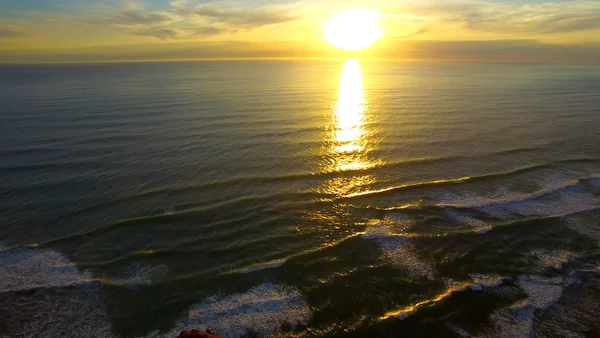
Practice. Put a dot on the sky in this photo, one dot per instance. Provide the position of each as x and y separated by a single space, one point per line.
128 30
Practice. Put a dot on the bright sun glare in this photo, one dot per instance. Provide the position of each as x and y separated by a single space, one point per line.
354 29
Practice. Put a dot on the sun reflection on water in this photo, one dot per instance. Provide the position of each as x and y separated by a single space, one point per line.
349 138
350 115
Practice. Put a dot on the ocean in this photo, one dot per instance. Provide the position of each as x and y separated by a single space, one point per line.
321 198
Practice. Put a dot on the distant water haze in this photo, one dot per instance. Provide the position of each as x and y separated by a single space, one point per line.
300 198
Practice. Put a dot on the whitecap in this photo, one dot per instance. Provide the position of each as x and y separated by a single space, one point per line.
555 258
541 292
554 200
398 251
589 229
479 227
486 281
25 269
139 275
261 310
45 295
507 324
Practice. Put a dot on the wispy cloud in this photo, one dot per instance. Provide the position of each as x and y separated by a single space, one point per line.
571 23
184 20
420 31
178 33
509 18
233 14
139 16
7 33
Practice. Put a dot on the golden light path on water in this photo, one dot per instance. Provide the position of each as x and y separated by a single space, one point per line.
350 140
349 117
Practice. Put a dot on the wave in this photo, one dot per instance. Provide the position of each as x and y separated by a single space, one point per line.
396 247
479 227
407 311
373 193
76 313
51 166
138 275
527 220
555 259
242 181
552 189
214 204
260 267
34 268
555 201
583 228
398 251
172 215
26 269
459 180
261 311
519 150
542 292
320 175
516 320
29 150
292 177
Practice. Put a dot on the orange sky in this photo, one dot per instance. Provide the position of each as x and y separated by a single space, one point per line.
110 30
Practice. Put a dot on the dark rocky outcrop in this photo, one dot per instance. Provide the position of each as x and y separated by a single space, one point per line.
197 334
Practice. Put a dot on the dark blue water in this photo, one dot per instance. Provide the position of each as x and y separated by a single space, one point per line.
300 198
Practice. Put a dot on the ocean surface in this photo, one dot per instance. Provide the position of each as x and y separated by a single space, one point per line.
300 199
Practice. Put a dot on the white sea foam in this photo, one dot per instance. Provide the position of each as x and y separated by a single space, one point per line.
406 257
517 320
507 325
541 292
261 310
52 310
588 228
560 199
479 227
510 198
270 265
565 203
555 258
24 269
398 251
459 331
139 275
486 281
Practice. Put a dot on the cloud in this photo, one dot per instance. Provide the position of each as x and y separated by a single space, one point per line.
141 17
182 20
237 17
134 19
178 33
511 18
418 32
8 33
571 23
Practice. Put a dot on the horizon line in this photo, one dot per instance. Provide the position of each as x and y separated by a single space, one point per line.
226 59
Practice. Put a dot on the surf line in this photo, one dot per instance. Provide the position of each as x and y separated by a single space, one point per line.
409 310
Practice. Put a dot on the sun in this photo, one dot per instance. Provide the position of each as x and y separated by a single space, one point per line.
354 29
